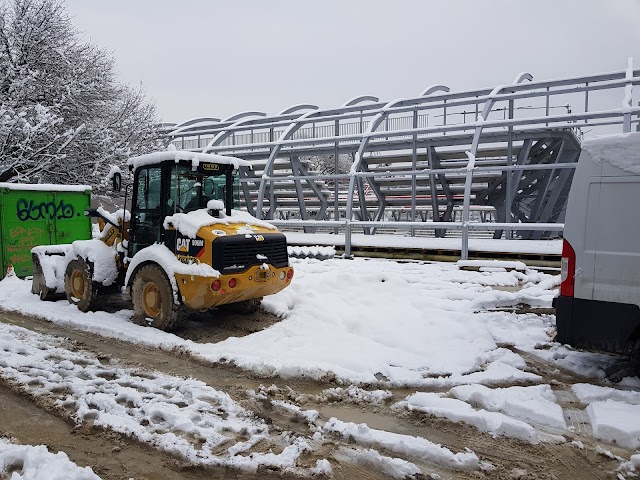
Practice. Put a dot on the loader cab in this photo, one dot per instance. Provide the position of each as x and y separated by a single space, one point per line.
169 187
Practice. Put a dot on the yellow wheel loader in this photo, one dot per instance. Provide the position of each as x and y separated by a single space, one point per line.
182 247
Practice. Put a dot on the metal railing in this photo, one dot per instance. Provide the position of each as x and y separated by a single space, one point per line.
508 114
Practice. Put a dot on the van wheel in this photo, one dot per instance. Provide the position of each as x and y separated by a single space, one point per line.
153 303
245 307
635 356
79 286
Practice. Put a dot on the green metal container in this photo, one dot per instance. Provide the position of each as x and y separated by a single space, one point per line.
33 215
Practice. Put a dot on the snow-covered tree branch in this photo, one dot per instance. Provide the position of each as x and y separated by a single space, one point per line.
64 118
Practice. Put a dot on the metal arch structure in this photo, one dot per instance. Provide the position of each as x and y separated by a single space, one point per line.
360 99
237 120
184 125
358 162
297 108
491 161
486 110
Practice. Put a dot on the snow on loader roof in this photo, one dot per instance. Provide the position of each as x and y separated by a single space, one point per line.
178 155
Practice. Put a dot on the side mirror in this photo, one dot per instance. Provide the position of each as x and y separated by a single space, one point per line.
116 181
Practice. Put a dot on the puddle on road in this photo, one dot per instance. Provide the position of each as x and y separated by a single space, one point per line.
355 414
507 288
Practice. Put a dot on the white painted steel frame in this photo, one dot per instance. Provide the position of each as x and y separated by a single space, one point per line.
435 97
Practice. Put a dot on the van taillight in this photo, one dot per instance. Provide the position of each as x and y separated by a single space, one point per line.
567 270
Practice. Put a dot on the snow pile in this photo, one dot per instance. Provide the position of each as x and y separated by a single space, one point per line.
476 264
416 447
408 324
542 247
37 463
182 416
178 155
632 467
322 468
614 414
356 395
318 252
189 223
535 404
616 422
102 256
588 393
493 423
392 467
588 364
620 150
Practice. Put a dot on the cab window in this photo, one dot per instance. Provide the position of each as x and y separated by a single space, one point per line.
148 189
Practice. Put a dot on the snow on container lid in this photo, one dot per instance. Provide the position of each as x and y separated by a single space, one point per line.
45 187
194 157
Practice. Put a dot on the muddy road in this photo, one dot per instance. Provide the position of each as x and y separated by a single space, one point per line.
38 419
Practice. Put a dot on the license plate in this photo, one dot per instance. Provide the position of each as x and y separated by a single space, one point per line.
262 275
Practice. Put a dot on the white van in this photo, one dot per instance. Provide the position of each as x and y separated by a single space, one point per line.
599 302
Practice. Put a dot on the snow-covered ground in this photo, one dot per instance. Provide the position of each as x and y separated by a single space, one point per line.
362 321
369 325
553 247
37 463
180 416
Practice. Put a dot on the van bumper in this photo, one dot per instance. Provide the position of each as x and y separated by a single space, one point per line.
597 325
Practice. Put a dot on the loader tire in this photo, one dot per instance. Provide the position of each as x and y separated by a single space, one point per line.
245 307
153 303
635 356
79 286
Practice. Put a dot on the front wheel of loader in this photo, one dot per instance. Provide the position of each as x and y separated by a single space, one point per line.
153 303
79 286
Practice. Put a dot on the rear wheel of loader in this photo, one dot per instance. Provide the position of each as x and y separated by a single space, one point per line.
153 303
79 285
247 306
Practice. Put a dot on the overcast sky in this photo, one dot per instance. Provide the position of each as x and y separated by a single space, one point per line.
214 58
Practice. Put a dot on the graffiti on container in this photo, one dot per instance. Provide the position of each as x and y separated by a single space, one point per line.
21 232
21 258
24 240
22 244
30 210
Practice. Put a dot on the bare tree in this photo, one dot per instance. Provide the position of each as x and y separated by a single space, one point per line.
64 118
326 164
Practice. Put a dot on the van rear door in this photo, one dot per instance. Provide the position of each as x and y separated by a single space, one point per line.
617 260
